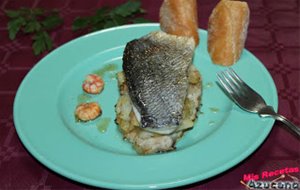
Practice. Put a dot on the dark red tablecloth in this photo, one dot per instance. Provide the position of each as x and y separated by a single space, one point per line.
273 37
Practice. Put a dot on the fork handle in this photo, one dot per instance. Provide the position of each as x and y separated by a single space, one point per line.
268 111
288 123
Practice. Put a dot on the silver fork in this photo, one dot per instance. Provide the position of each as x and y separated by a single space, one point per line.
248 99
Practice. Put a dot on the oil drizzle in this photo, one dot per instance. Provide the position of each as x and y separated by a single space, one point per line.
211 123
103 124
107 68
209 85
113 75
83 98
214 110
200 113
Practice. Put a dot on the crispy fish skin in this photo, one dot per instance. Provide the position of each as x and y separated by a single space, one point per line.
145 142
156 72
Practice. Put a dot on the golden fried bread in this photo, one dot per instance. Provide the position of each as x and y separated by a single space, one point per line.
179 17
227 31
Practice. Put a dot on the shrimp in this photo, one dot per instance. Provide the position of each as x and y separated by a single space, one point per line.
93 84
88 111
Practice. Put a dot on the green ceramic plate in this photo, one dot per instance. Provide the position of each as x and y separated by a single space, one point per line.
223 135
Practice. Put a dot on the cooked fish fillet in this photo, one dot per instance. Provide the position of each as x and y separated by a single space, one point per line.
156 71
146 142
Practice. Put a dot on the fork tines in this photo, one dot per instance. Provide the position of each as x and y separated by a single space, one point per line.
231 82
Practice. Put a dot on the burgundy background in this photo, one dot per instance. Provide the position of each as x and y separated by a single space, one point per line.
273 37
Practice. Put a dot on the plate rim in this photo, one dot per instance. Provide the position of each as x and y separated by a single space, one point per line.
85 180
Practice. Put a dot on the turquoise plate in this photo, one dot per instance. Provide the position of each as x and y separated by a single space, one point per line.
223 135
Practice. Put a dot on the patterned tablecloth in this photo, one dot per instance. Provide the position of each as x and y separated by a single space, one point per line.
273 37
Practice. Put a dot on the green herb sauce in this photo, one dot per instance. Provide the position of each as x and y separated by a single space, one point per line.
105 69
214 110
103 124
211 123
83 98
200 113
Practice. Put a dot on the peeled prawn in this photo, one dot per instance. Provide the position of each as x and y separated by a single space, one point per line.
93 84
88 111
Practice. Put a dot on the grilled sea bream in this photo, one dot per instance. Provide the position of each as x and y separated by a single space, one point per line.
160 92
156 71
